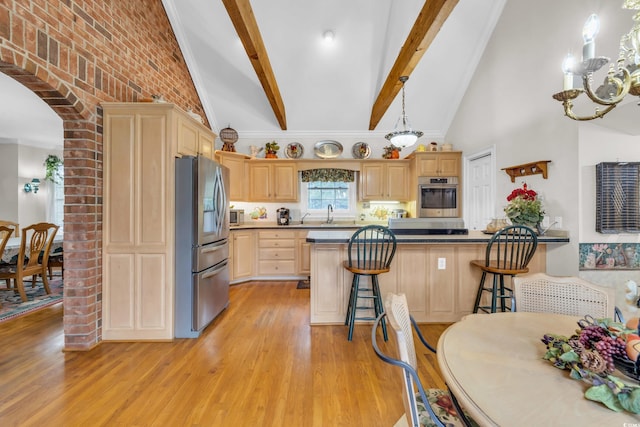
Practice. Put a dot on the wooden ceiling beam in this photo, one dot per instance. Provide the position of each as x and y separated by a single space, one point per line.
430 19
244 21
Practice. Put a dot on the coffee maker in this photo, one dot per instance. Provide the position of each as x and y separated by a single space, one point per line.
283 216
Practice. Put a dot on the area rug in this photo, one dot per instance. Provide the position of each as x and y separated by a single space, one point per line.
37 298
303 284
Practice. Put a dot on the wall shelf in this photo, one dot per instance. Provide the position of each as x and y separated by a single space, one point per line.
533 168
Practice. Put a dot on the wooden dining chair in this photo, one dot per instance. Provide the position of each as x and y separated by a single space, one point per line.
36 240
5 235
16 227
56 260
423 407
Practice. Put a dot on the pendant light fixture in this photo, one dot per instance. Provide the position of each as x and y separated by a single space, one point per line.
406 136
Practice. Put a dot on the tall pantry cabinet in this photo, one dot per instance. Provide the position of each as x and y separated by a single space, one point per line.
141 142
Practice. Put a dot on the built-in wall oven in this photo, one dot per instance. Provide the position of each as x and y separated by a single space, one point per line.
438 197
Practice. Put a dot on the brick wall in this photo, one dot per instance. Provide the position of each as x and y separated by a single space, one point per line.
75 55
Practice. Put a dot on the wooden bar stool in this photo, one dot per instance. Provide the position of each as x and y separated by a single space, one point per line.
371 250
508 253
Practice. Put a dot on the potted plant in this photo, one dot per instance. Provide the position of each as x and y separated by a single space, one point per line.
524 207
391 152
52 165
271 150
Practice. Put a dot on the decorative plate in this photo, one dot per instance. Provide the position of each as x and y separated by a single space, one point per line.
295 150
327 149
361 150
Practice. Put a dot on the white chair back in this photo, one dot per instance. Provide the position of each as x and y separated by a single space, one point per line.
541 293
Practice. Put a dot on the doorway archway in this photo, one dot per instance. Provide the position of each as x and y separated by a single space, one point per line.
83 202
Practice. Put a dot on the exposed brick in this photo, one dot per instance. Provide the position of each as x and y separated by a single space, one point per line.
43 42
75 55
5 23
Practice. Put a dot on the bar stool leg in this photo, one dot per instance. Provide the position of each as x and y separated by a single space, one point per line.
479 294
351 305
494 294
377 304
352 312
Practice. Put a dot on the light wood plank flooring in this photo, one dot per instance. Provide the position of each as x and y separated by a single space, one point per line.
259 364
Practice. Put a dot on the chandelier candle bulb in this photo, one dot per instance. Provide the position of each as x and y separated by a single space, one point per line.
589 33
567 69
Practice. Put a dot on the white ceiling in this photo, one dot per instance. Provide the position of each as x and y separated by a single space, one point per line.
329 89
326 90
26 118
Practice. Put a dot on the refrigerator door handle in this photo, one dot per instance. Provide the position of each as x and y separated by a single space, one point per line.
213 249
221 200
215 271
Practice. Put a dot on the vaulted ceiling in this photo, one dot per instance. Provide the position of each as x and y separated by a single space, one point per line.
311 88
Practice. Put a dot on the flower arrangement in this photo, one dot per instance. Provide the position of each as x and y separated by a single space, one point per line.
589 356
524 207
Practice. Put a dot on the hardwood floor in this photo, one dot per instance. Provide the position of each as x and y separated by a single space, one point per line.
259 364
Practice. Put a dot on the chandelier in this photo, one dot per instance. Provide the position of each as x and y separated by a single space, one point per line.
406 136
621 80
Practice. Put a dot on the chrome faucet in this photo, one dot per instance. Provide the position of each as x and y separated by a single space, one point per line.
329 216
303 217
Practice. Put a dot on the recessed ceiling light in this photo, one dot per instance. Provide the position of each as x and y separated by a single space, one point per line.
328 36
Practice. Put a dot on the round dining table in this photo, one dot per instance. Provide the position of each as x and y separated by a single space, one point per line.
494 366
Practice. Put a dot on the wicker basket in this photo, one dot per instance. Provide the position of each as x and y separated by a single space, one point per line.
628 367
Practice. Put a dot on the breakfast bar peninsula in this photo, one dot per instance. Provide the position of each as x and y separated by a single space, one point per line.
432 270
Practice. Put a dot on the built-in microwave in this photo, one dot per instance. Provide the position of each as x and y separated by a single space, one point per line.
438 197
236 217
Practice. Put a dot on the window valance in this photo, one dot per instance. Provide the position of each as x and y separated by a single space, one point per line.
328 175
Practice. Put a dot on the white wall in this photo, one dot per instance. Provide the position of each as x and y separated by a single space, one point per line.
9 180
509 103
19 164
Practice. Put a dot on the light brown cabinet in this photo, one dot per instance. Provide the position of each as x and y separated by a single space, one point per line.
438 164
303 253
194 138
437 291
237 164
385 180
273 181
141 142
276 253
242 257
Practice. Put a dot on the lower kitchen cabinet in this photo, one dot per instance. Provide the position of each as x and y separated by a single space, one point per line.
276 253
437 279
303 252
242 254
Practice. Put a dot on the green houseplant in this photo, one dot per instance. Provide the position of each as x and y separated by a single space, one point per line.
271 149
52 165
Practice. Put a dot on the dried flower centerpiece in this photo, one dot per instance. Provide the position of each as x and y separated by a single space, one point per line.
592 355
524 208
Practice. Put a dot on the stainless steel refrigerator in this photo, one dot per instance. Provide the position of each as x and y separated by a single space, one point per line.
202 247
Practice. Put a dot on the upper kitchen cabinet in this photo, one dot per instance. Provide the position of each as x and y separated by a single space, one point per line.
237 164
194 138
273 181
443 163
385 180
141 142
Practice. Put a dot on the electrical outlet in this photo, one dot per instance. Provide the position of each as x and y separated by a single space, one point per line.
442 263
365 205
